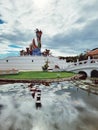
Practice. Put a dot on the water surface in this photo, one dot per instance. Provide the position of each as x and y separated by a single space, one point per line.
63 108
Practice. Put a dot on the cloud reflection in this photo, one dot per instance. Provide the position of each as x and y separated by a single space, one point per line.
59 111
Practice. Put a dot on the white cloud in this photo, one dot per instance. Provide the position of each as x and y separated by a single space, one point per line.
53 17
41 4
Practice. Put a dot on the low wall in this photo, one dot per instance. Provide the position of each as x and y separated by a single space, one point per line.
12 71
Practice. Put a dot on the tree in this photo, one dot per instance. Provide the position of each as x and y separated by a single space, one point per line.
45 67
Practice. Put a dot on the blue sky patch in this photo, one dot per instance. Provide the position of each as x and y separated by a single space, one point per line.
1 21
9 54
14 46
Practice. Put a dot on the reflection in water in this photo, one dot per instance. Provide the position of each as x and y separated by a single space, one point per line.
63 108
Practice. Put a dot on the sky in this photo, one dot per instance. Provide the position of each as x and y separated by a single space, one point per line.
70 27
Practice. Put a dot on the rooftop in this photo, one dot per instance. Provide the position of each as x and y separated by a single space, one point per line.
93 52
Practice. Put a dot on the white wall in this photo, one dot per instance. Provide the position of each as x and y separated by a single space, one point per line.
25 62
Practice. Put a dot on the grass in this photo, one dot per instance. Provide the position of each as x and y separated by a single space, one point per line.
37 75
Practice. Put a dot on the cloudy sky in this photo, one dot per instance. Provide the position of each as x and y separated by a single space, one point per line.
69 27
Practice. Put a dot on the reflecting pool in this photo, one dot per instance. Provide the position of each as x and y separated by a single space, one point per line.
64 107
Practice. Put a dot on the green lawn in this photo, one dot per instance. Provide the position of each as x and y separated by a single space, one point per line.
38 75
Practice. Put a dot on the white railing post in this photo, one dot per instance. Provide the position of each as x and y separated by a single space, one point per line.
88 60
77 61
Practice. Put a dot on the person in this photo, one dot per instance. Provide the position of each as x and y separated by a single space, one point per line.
38 103
33 90
38 99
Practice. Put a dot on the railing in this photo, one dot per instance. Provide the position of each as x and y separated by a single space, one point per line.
84 62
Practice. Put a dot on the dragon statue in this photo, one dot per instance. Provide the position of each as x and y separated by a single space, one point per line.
36 49
33 49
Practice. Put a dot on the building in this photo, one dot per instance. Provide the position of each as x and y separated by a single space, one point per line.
93 53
